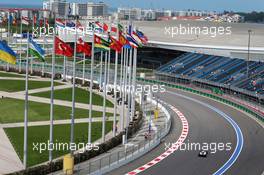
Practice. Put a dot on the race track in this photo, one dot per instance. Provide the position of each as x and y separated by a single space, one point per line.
206 126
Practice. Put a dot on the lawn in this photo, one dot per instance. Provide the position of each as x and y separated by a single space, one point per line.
5 74
40 134
82 96
59 60
12 110
19 85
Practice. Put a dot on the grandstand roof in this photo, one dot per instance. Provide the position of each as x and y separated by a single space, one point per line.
239 36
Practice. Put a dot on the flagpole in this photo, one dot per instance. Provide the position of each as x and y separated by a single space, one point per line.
115 88
108 66
8 32
134 83
20 54
73 89
8 28
121 71
129 83
31 61
101 69
126 67
64 58
26 110
1 36
120 90
115 92
83 73
104 101
44 45
123 89
129 92
91 92
52 96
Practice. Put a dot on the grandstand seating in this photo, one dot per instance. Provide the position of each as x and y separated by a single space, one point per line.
218 69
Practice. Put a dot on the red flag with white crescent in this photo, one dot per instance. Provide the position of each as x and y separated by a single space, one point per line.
62 48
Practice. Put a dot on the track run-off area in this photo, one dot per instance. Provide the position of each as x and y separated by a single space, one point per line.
208 122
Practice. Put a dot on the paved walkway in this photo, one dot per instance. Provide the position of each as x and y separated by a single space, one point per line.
9 160
23 78
45 89
21 96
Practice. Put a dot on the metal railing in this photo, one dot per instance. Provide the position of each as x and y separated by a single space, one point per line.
124 154
203 81
253 112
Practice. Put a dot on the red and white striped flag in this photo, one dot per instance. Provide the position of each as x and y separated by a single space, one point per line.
25 20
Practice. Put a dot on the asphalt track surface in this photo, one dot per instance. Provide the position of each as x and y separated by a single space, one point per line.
205 126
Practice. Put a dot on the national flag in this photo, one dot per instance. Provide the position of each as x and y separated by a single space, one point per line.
136 38
70 24
129 29
114 29
114 44
47 21
105 27
142 36
10 19
36 50
120 27
101 43
35 19
59 23
4 20
98 26
83 47
25 20
62 48
6 53
41 22
14 21
124 41
79 25
133 43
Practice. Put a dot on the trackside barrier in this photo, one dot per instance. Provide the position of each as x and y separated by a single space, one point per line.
128 153
217 98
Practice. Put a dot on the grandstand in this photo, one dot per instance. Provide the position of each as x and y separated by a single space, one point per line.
224 72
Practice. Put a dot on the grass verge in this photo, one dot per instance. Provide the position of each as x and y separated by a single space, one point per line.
12 110
19 85
82 96
40 135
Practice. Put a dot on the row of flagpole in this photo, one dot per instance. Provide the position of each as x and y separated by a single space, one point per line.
127 78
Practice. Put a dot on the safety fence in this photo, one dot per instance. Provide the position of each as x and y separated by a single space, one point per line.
212 96
129 152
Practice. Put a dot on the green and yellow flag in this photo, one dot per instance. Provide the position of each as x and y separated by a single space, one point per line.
101 43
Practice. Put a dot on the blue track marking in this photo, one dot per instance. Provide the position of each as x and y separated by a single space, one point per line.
239 134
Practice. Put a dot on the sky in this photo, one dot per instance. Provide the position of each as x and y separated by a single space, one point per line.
210 5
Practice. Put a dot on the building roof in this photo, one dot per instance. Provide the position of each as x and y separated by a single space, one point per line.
156 31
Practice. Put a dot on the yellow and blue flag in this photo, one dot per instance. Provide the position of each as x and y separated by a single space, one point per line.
6 53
